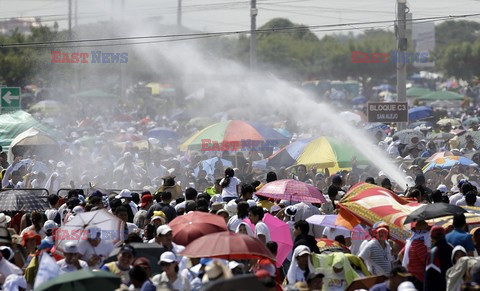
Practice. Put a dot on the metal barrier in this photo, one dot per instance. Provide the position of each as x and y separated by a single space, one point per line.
88 191
27 189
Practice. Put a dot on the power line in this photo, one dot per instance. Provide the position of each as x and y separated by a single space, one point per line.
171 37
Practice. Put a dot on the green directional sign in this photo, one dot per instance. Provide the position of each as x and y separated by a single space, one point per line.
10 99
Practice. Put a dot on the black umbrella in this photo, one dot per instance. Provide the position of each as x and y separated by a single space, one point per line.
151 251
237 283
22 200
434 210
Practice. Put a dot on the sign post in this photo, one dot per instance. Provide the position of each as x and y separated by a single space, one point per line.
387 112
10 99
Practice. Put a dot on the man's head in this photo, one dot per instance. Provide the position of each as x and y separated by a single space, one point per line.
122 213
315 280
71 252
301 227
271 176
166 197
54 200
138 276
459 221
147 201
165 236
437 233
255 214
247 191
191 194
126 256
337 181
471 198
386 183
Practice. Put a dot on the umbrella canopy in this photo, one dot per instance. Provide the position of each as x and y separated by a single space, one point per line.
473 135
406 135
195 224
440 136
292 190
162 133
375 126
33 137
95 94
420 112
385 87
359 100
241 133
320 152
422 123
435 210
442 155
417 92
209 165
452 121
200 122
331 246
83 280
227 245
448 162
47 106
369 204
22 200
325 220
151 251
110 227
236 283
471 121
447 221
441 95
284 132
279 233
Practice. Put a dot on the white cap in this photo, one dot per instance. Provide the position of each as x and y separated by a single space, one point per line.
78 209
406 286
168 257
163 229
70 248
275 208
251 203
125 193
49 225
442 188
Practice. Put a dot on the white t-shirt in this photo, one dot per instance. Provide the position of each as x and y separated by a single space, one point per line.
333 281
262 228
65 268
103 250
231 190
455 197
181 284
331 233
233 223
462 202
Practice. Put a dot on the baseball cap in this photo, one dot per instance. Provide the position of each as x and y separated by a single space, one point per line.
437 231
163 229
70 248
49 225
167 257
146 199
125 193
158 217
127 249
303 253
442 188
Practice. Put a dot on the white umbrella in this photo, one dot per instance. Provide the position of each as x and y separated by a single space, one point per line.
111 228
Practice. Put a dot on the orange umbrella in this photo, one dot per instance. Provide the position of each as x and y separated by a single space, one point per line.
195 224
228 245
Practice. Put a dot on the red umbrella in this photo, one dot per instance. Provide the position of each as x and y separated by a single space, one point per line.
189 227
292 190
228 245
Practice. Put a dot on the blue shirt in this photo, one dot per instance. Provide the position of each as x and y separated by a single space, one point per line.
380 287
459 237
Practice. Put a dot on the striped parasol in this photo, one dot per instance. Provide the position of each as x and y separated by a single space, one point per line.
244 135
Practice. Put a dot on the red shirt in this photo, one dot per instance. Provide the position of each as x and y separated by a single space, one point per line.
417 259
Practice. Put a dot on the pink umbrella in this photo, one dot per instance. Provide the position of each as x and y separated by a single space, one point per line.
292 190
279 233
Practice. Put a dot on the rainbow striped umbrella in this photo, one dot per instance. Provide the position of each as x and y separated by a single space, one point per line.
448 162
234 135
320 152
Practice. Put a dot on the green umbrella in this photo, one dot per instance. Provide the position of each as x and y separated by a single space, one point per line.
83 280
97 94
417 92
441 95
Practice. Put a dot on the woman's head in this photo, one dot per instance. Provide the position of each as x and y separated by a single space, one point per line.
229 172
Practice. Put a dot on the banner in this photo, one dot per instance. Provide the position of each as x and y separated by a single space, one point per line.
47 270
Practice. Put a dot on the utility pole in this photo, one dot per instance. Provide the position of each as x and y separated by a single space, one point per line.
76 13
253 34
69 19
401 50
179 13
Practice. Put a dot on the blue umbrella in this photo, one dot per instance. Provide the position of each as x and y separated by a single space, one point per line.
284 132
419 123
375 126
420 112
385 87
162 133
359 100
209 165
